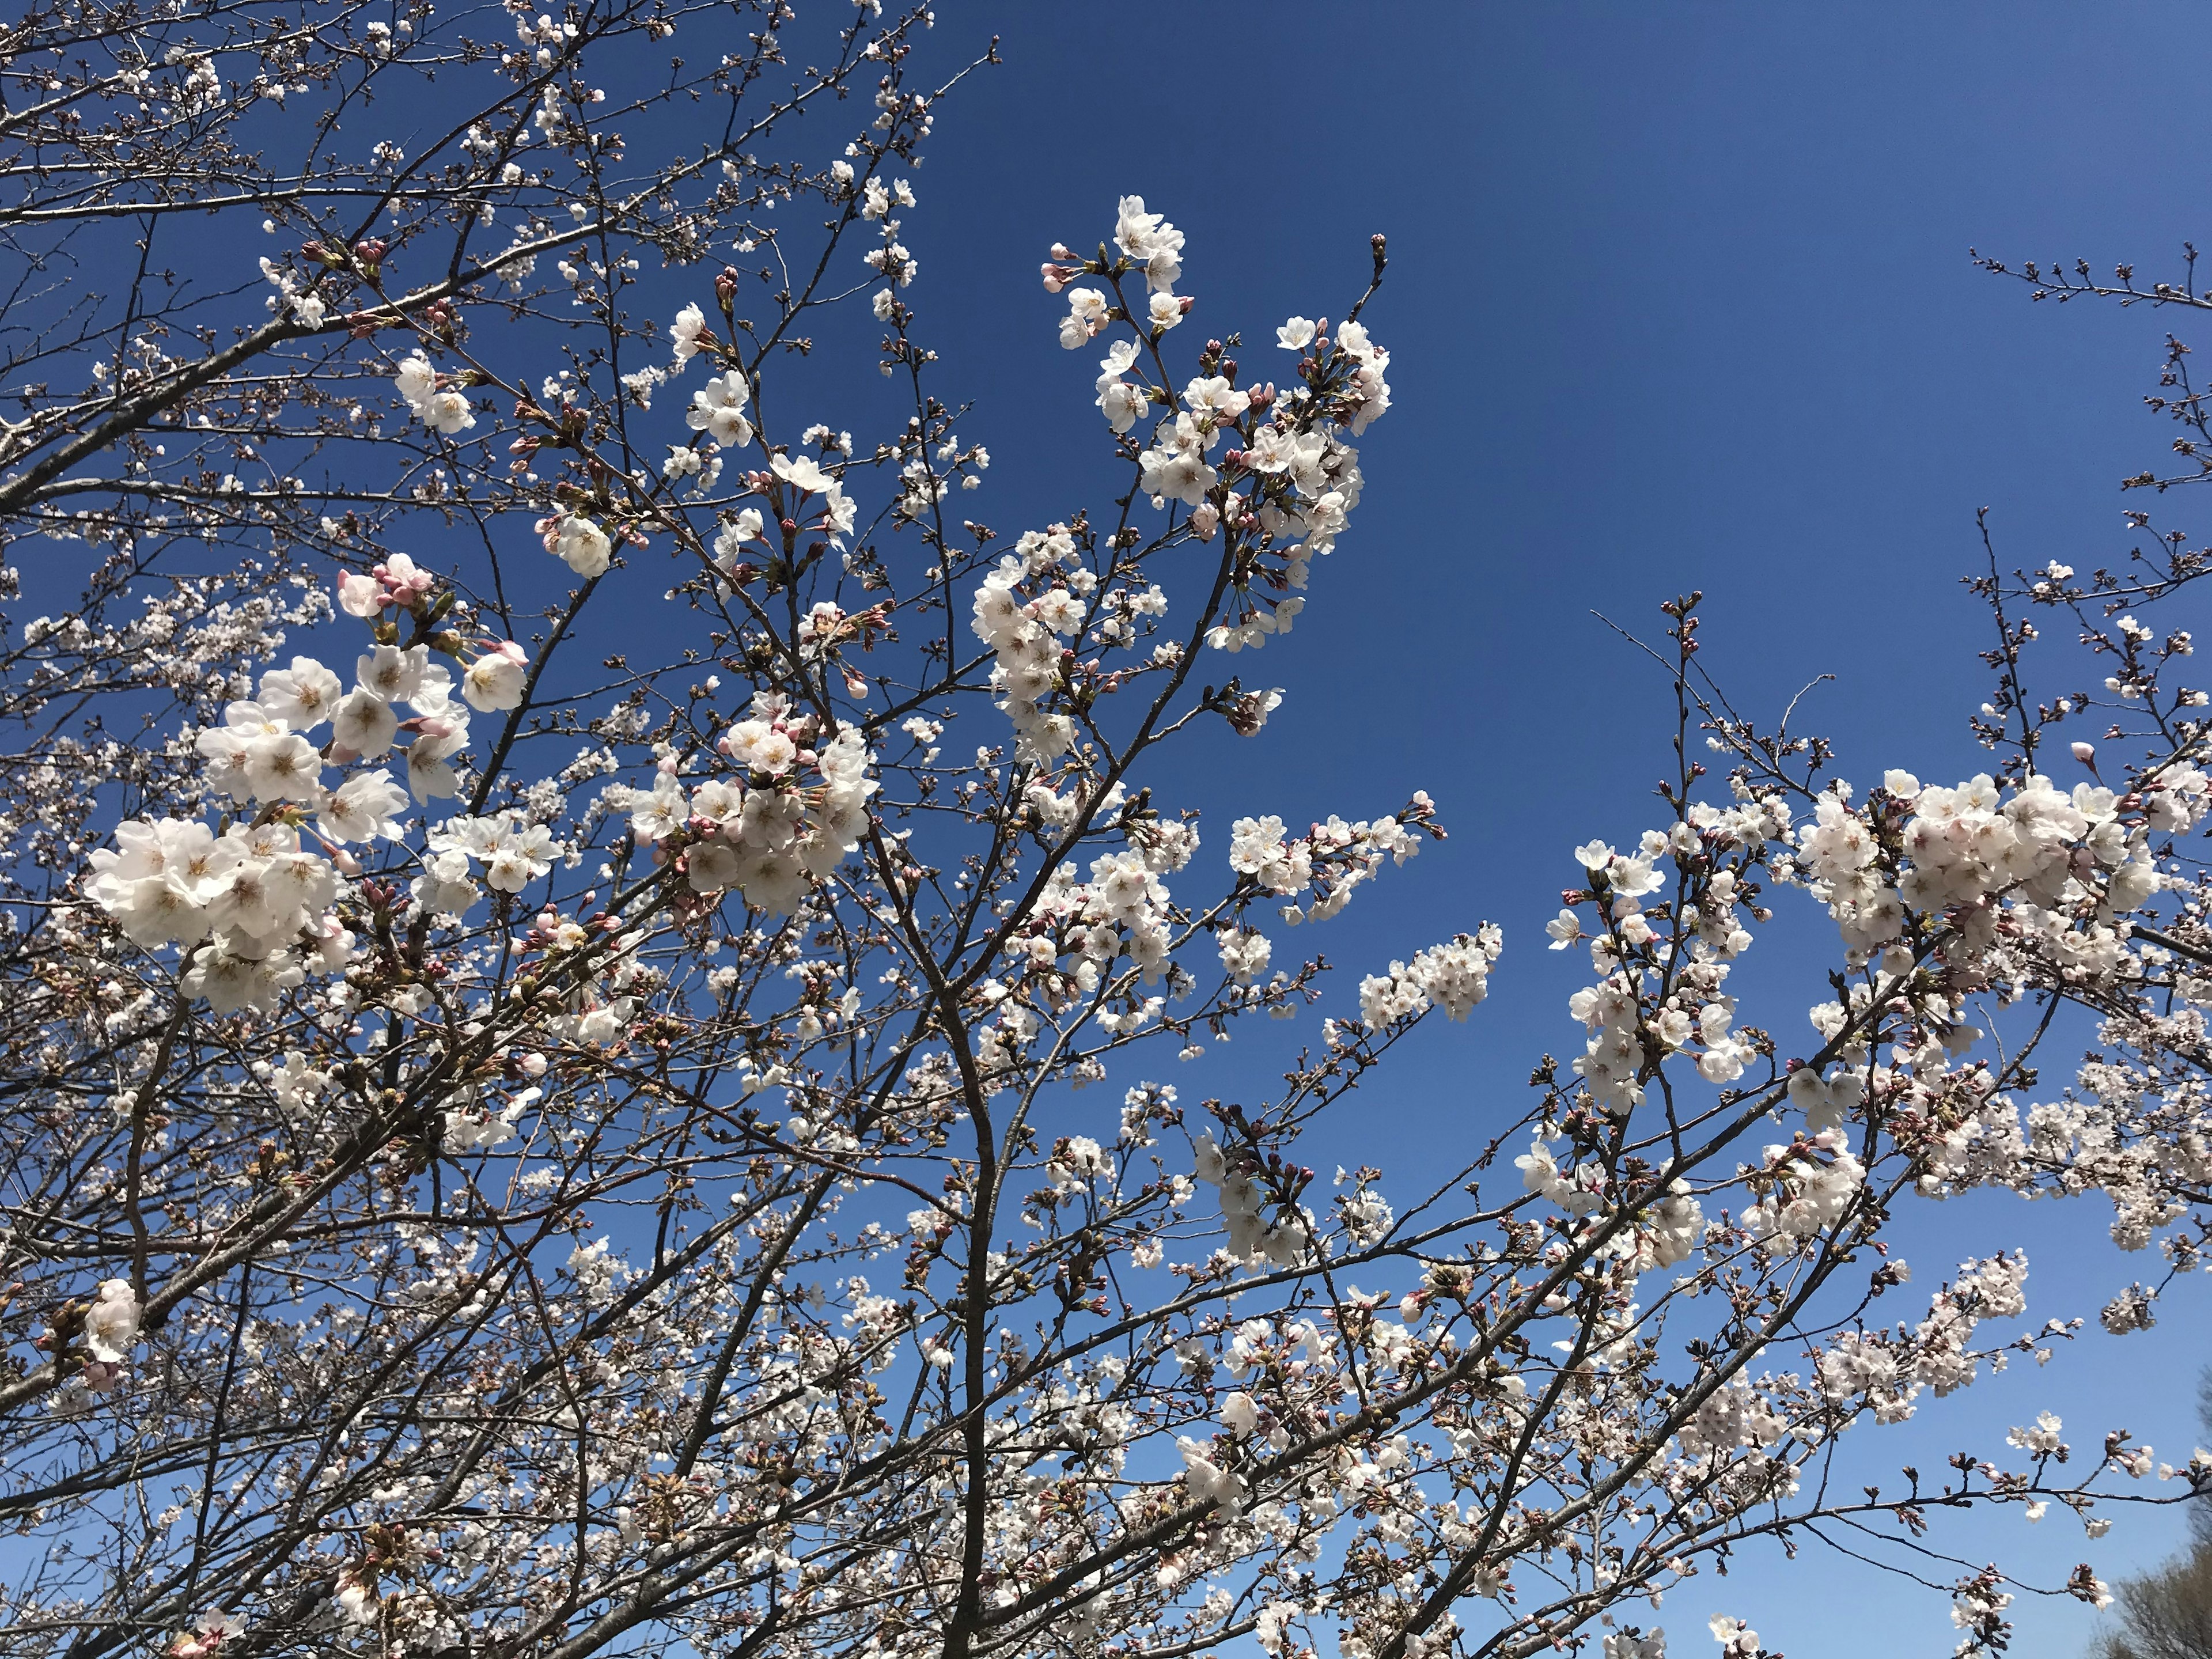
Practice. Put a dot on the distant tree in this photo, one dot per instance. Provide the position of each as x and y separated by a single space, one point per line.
2167 1613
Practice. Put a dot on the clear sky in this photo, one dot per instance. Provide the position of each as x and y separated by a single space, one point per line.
1680 296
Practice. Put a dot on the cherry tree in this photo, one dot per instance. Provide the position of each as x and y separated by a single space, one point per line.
528 1132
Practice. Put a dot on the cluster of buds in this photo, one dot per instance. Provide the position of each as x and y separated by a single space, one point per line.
565 425
365 258
398 583
206 1636
1062 268
386 1548
1282 1180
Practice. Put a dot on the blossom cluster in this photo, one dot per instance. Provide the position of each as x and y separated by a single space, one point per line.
260 895
792 806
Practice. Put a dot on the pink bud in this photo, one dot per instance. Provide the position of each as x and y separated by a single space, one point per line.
2086 753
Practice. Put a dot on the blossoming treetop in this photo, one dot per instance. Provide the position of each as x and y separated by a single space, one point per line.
527 1134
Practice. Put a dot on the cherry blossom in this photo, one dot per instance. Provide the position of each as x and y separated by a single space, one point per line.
539 1131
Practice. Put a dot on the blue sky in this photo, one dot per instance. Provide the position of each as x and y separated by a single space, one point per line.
1680 296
